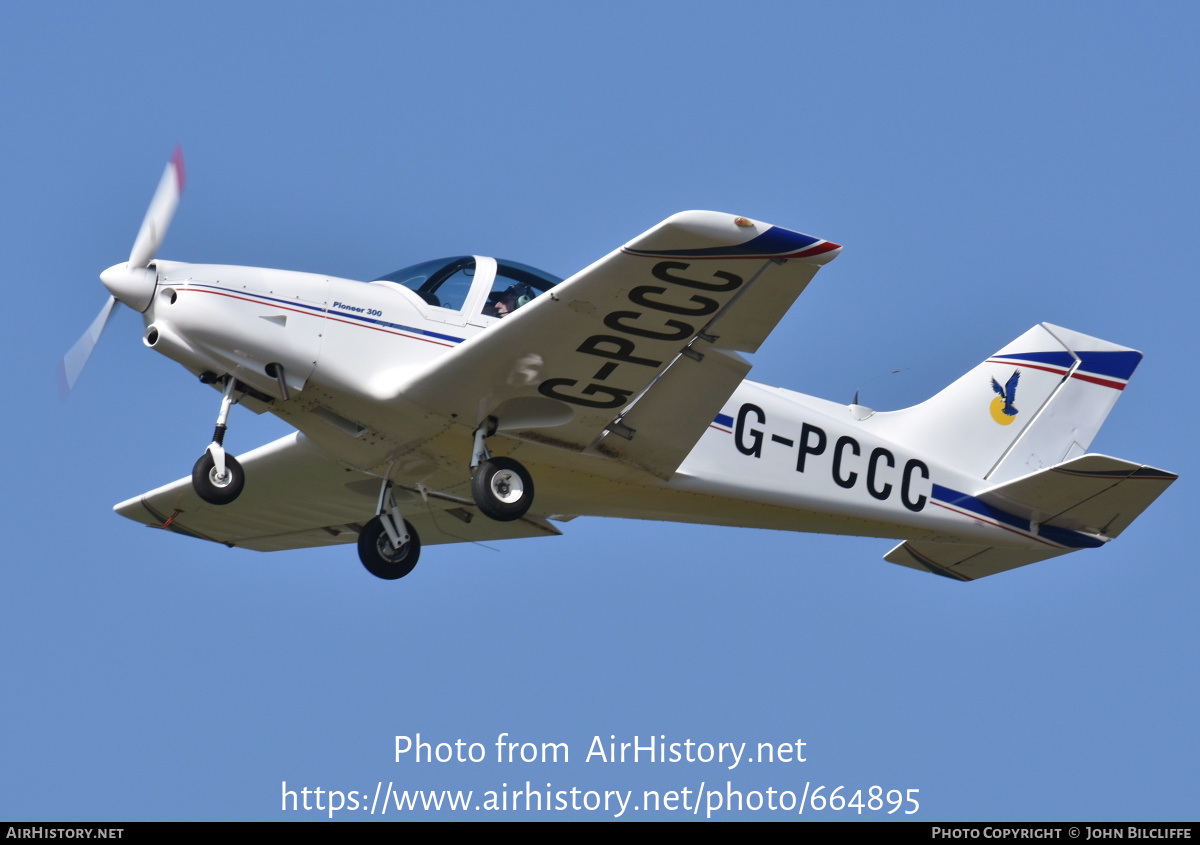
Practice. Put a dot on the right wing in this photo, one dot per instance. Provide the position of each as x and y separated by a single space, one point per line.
297 496
643 344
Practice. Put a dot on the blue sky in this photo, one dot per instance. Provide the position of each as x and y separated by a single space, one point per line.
986 168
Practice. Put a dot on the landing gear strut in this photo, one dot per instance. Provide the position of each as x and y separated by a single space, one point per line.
217 477
501 487
388 545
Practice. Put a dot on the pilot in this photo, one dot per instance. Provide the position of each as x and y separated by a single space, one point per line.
509 300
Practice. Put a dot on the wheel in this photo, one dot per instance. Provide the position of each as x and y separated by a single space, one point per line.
381 558
214 489
502 489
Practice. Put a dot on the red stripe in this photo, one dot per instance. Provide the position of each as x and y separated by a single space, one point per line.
928 561
1058 371
987 521
828 246
1119 475
329 316
1103 382
825 246
320 315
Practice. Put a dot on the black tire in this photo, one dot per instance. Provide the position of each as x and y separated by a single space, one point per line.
214 490
502 489
381 558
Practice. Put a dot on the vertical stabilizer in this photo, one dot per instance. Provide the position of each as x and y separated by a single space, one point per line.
1037 402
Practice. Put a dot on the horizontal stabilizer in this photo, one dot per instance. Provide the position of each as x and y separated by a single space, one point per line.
965 562
1092 493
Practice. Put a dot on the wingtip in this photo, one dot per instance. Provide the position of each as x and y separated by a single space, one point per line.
821 253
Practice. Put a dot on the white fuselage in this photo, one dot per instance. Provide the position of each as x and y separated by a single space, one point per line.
772 458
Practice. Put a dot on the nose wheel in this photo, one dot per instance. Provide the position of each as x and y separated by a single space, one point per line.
217 477
214 486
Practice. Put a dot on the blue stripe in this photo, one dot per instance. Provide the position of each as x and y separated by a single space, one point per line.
1056 359
388 325
723 419
1116 364
320 309
774 241
291 303
1062 536
1067 537
970 503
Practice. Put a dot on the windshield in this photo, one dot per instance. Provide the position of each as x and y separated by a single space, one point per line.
443 282
446 283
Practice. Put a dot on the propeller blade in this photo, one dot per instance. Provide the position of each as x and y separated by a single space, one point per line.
76 358
159 214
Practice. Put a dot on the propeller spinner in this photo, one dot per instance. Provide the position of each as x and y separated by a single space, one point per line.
132 282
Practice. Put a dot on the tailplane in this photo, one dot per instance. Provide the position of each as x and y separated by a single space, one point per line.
1022 422
1085 501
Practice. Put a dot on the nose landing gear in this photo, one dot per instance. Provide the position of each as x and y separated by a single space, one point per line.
218 485
217 477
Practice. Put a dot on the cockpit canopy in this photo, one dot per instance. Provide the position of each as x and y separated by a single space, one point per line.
448 282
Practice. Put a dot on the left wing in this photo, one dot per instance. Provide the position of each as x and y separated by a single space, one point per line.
296 496
634 355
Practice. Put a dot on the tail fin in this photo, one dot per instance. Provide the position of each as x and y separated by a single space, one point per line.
1037 402
1093 497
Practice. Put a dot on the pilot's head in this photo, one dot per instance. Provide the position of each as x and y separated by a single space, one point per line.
513 297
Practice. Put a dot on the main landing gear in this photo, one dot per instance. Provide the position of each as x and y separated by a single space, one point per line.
388 545
501 487
217 477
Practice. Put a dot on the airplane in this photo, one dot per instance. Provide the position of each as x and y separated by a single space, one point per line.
428 402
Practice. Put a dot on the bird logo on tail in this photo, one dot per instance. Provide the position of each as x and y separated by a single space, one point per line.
1002 408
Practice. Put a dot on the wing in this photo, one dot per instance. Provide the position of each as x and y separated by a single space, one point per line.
1010 386
633 356
296 496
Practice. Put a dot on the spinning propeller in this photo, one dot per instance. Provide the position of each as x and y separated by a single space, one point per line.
132 282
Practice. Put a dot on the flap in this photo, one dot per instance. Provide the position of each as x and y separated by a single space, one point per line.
661 428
